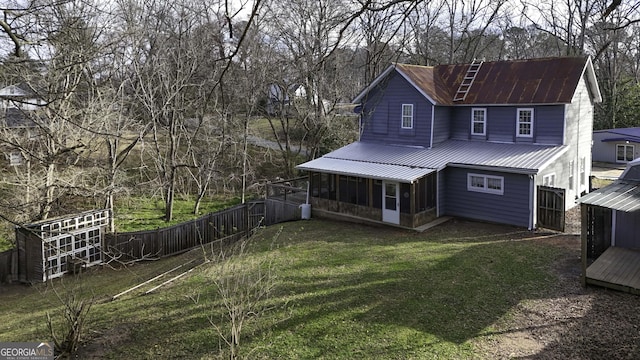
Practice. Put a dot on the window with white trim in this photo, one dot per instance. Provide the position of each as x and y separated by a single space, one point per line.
624 152
572 166
524 126
485 183
407 116
549 180
478 121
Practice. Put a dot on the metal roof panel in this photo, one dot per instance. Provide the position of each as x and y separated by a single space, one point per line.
532 81
621 195
523 158
366 169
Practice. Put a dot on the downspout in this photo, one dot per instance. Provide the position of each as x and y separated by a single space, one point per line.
532 201
360 126
433 117
433 109
578 184
437 193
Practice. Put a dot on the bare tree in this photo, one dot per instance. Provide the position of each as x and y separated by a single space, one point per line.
57 141
616 54
428 35
384 33
166 60
567 20
303 37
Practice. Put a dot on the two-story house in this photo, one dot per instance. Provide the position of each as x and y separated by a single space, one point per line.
505 141
18 103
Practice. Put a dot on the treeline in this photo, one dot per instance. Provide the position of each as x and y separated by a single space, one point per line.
158 97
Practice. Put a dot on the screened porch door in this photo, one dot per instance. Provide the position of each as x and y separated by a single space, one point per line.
390 202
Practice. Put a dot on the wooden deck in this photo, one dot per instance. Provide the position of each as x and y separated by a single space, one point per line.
617 268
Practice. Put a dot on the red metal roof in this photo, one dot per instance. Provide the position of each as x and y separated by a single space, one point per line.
533 81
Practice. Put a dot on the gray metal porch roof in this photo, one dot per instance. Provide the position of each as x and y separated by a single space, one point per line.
621 195
364 159
366 169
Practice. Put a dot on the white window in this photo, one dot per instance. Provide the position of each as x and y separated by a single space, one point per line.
525 123
572 166
485 183
15 158
478 121
583 173
624 153
407 116
549 180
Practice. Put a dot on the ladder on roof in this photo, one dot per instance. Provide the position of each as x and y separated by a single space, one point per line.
467 81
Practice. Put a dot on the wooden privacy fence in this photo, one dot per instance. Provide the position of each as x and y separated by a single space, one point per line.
5 265
216 229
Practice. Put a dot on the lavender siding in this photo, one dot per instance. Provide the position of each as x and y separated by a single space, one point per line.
627 229
441 124
500 127
548 124
382 115
501 124
510 208
460 123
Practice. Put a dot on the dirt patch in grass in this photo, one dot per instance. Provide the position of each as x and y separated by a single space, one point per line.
570 321
104 341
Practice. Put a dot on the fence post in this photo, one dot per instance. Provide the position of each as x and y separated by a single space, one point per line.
247 222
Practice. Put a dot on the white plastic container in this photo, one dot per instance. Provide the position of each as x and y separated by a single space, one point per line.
306 211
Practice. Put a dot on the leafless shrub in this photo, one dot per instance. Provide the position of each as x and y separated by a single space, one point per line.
244 284
67 325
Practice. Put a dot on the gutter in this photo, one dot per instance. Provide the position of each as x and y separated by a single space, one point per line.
496 169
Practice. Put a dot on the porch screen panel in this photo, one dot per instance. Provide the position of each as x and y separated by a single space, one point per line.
323 185
426 193
315 187
405 198
363 191
328 183
353 190
377 194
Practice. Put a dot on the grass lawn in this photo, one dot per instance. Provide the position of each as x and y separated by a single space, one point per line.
343 291
143 213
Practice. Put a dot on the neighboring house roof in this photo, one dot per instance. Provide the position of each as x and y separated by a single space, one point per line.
623 134
17 91
622 195
403 163
533 81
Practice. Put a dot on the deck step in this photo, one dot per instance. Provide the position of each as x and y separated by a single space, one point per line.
434 223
